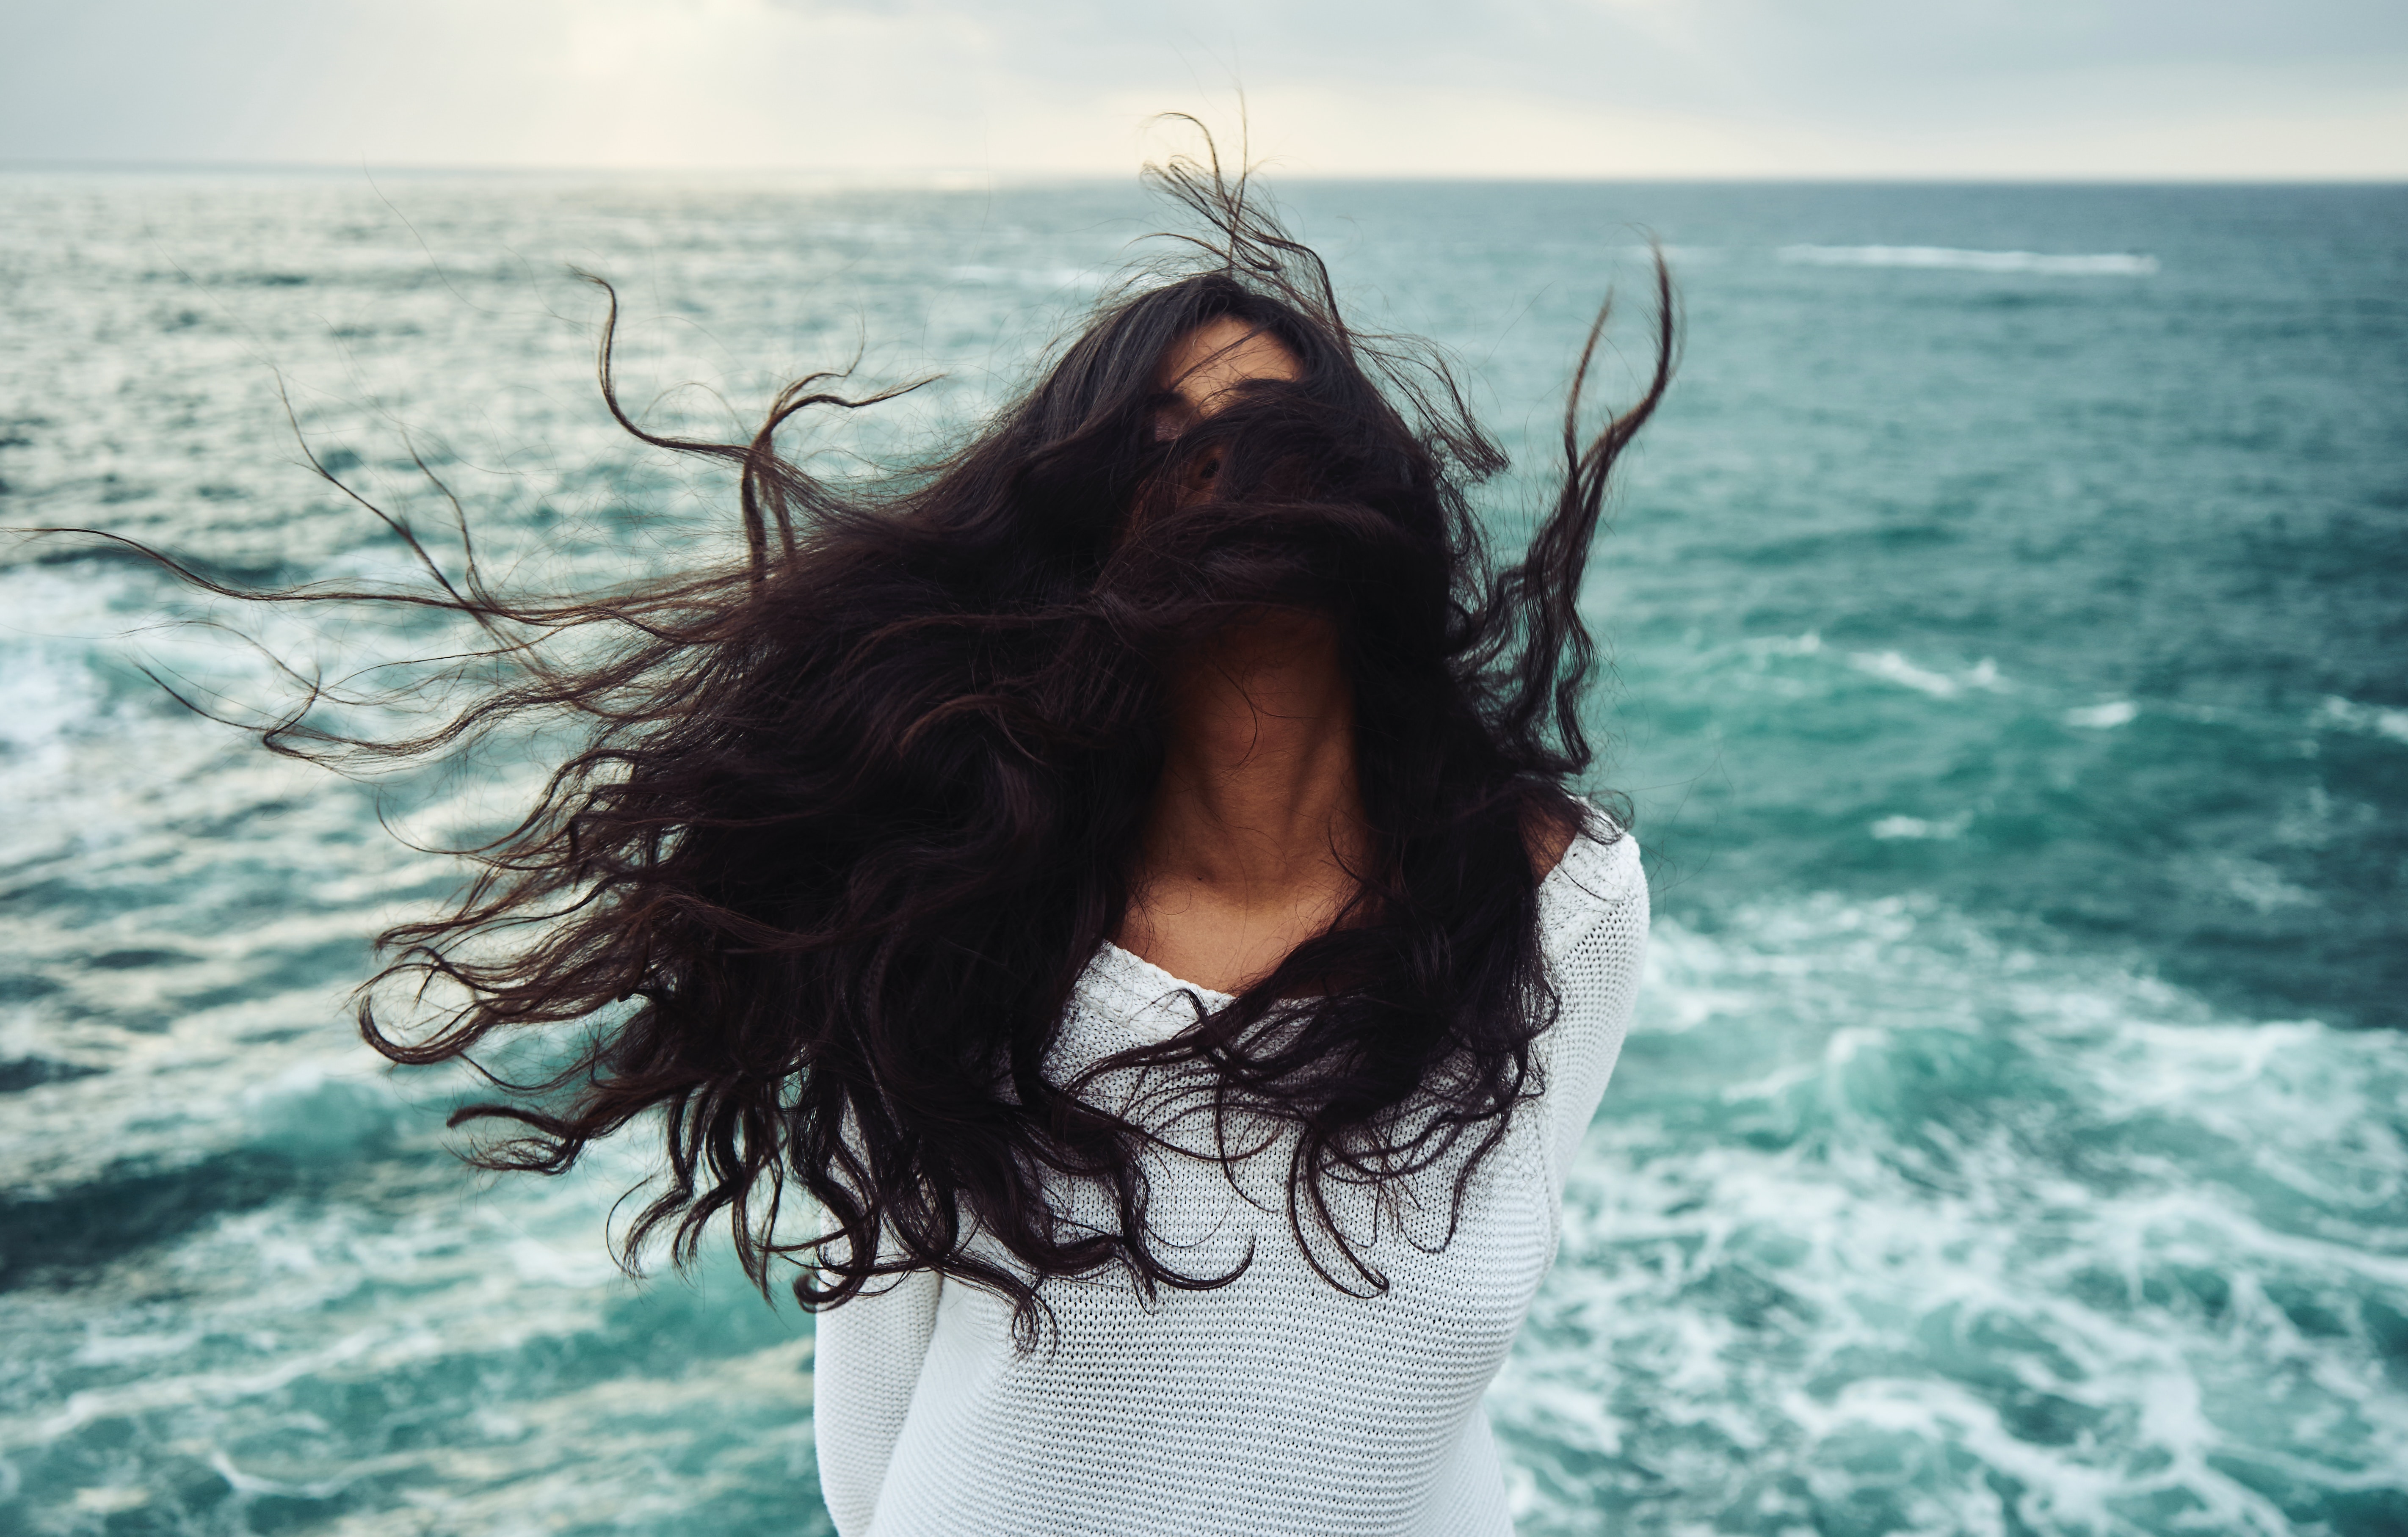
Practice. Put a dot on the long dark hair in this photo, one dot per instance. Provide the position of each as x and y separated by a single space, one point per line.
854 813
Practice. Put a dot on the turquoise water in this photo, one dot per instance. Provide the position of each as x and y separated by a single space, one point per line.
2008 613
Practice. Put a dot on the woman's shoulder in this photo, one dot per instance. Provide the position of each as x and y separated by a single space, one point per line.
1597 870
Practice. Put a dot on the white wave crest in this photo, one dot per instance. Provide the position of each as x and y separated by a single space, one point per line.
2115 263
2339 714
2047 1242
2103 717
1894 667
1892 827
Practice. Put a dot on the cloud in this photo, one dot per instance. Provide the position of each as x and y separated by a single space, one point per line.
1412 87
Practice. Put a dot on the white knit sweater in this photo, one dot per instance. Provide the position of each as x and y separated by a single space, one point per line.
1276 1404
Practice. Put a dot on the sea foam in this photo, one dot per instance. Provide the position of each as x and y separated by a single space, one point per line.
1885 1226
2102 264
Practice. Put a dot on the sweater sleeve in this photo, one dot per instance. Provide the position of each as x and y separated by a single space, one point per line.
865 1365
1597 938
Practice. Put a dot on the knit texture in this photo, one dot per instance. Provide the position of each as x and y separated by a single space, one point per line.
1278 1403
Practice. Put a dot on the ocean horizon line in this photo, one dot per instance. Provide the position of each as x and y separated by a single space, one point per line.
941 177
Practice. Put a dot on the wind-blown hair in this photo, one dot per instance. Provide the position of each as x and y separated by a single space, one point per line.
854 813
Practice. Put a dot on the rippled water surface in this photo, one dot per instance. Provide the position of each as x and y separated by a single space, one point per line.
2009 611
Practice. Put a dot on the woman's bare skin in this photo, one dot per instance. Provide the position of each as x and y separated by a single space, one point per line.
1256 824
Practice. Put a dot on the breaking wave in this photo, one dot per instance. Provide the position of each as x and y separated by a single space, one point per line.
2102 264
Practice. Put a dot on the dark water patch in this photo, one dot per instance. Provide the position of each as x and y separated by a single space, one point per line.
337 1142
1908 536
27 1072
2315 1504
233 823
2387 1331
128 960
63 549
334 963
330 963
25 986
59 1240
66 897
2028 298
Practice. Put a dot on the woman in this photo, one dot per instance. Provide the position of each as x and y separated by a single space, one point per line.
1123 875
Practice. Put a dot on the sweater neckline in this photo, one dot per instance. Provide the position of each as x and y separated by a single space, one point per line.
1155 982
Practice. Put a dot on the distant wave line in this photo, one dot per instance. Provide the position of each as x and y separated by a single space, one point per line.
2109 263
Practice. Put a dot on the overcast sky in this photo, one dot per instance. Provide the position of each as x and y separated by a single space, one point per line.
1768 88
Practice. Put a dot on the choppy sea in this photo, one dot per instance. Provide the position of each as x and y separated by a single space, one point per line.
2009 623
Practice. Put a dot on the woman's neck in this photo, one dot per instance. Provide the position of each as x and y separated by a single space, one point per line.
1256 821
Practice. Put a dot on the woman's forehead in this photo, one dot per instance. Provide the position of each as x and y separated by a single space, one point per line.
1220 353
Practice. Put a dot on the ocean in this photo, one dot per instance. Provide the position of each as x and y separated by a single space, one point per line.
2008 617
